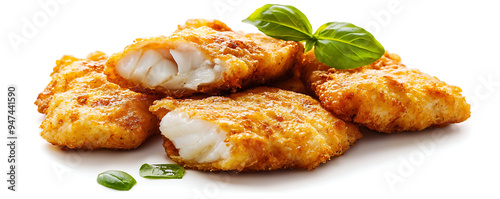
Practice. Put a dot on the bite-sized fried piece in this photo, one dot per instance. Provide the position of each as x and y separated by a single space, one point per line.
258 129
385 96
85 111
202 57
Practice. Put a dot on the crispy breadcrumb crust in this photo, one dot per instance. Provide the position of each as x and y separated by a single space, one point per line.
268 128
85 111
250 59
196 23
385 96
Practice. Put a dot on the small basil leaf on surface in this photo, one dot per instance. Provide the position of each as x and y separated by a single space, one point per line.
167 171
343 45
118 180
281 22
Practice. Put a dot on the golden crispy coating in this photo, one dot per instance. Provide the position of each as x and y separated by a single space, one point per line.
385 96
85 111
196 23
268 129
249 59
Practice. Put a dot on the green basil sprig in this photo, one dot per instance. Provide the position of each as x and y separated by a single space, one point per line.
167 171
339 45
118 180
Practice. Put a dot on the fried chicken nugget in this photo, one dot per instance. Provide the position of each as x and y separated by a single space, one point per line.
85 111
385 96
202 56
258 129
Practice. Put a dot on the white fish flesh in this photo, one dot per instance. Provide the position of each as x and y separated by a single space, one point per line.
183 67
196 139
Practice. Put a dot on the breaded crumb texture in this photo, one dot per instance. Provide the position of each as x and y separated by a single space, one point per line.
85 111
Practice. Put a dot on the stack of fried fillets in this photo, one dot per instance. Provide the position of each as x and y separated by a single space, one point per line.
228 100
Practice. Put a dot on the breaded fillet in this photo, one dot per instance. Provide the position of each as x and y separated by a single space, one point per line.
202 56
385 96
85 111
258 129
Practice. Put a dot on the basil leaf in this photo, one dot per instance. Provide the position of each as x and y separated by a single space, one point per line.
309 45
281 22
168 171
337 44
118 180
343 45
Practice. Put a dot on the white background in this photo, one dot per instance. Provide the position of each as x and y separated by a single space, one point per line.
456 41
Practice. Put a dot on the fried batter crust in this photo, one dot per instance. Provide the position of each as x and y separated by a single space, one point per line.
85 111
251 59
196 23
269 129
385 96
